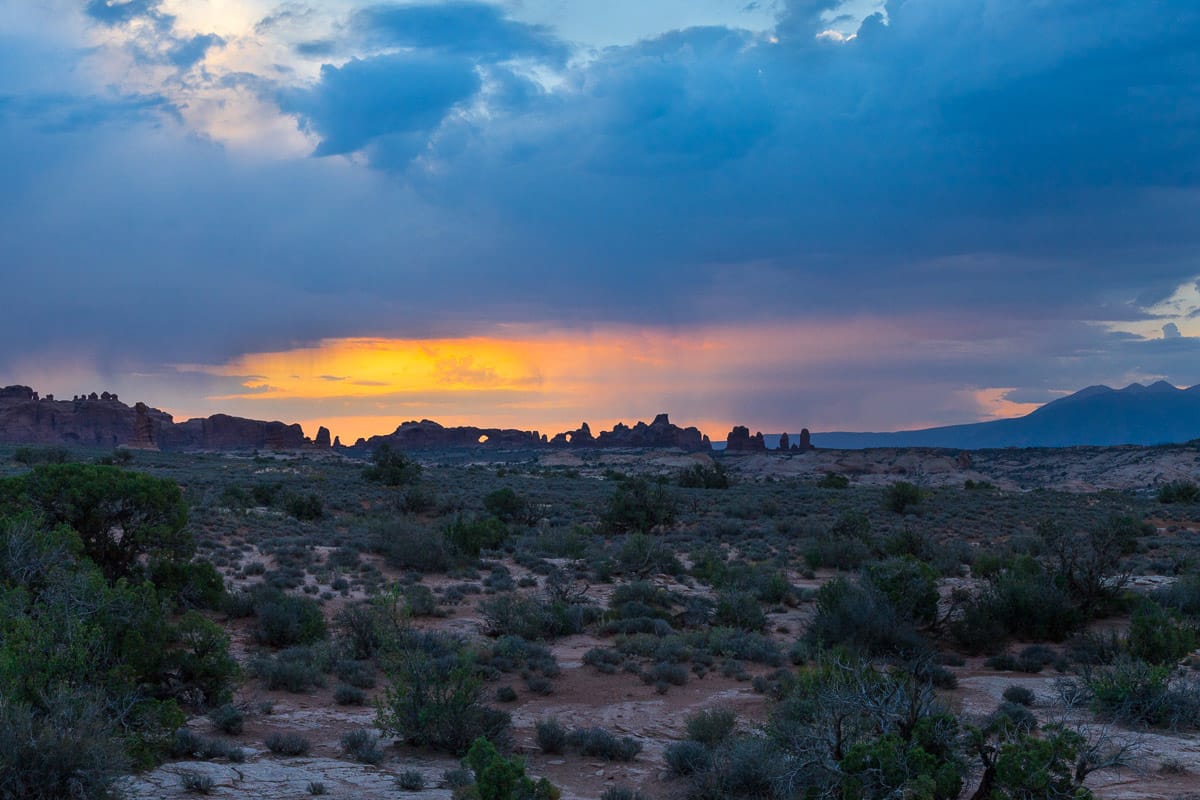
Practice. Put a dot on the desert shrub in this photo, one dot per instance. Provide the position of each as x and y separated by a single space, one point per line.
410 780
202 664
1034 658
1180 491
1023 601
97 502
687 757
406 544
1131 691
1183 595
506 694
420 601
360 630
507 506
640 506
622 793
294 670
600 743
192 584
1020 695
288 744
667 674
736 643
644 555
470 536
285 620
360 674
902 496
551 736
43 455
832 480
435 700
530 618
391 467
195 782
1088 564
739 610
68 748
1157 638
749 767
604 659
909 585
859 616
701 476
362 745
500 778
711 726
228 719
847 544
346 695
304 507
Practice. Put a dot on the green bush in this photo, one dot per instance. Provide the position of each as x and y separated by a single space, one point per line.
1179 492
1157 638
471 536
68 748
507 506
739 610
435 700
409 545
902 496
640 506
551 736
285 620
500 778
600 743
362 745
288 744
120 516
687 757
391 467
711 727
228 719
832 480
701 476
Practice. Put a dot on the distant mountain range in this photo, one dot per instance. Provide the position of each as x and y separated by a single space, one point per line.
1098 415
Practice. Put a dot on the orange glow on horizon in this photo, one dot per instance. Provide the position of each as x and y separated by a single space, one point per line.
552 380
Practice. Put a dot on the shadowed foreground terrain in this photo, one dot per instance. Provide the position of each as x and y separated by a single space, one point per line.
586 624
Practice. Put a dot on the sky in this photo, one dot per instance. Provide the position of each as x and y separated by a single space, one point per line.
857 215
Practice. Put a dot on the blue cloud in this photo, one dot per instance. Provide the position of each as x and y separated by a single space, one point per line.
390 100
187 53
120 12
476 29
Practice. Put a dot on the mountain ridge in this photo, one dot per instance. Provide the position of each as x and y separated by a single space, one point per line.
1098 415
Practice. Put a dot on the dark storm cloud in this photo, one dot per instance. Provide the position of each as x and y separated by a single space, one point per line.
1025 164
476 29
391 100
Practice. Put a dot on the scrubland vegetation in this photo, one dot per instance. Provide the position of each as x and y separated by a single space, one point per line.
147 596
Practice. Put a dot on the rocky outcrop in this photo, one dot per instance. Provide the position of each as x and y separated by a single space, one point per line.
740 440
429 435
805 440
322 439
582 437
784 441
661 433
102 420
223 432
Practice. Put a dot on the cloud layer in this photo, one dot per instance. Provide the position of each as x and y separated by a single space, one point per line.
1022 175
